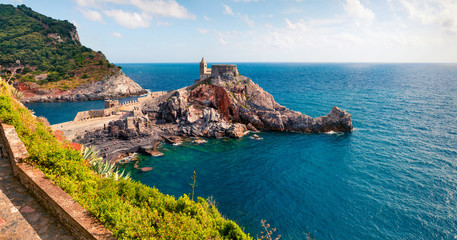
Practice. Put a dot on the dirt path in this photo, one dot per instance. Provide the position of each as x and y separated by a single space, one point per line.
73 129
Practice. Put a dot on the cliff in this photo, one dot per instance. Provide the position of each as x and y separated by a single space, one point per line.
115 86
229 105
45 59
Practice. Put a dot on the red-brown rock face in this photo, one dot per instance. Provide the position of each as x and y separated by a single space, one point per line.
239 100
219 98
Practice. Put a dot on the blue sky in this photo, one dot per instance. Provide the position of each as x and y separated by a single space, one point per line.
262 30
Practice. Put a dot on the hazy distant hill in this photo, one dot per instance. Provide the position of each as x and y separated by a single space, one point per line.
43 53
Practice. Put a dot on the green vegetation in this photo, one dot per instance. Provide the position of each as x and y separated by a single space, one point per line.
129 209
267 233
193 184
105 169
47 46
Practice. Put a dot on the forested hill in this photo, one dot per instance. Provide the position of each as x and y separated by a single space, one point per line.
38 49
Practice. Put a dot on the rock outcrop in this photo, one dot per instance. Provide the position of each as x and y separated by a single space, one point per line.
226 106
124 136
115 86
230 105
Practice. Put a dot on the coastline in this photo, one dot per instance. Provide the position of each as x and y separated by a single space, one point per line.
215 107
118 85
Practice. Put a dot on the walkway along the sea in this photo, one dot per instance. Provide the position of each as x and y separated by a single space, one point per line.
21 216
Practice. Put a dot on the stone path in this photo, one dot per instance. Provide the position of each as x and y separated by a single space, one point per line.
72 129
21 216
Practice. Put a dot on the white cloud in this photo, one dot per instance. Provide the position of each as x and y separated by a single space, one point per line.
300 25
206 18
440 12
243 17
163 8
279 40
160 23
351 38
361 14
129 19
245 0
221 38
202 31
83 3
246 19
116 34
227 10
92 15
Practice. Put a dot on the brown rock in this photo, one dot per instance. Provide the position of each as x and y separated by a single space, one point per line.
237 130
146 169
250 127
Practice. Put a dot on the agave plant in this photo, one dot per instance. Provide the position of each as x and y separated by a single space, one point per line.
105 169
19 95
91 155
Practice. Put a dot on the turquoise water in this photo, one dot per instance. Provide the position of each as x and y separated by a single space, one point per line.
394 177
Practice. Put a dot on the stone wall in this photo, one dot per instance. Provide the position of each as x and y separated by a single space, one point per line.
95 113
77 219
217 70
81 116
98 113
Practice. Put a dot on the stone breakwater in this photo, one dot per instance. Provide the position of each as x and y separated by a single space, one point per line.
115 86
224 106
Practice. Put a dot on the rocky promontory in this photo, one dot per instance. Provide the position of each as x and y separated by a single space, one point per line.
228 105
115 86
216 107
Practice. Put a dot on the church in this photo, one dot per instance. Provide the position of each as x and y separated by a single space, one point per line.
216 70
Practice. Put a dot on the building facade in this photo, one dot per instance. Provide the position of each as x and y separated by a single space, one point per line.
216 70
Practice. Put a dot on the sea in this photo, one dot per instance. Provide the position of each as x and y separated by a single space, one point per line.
393 177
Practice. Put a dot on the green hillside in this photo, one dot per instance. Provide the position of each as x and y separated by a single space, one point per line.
32 44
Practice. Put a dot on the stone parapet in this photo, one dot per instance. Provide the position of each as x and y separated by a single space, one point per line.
14 149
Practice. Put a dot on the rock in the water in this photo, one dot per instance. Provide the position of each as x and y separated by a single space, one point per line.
200 141
237 130
256 137
146 169
251 128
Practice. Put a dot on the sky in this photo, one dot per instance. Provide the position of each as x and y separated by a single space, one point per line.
150 31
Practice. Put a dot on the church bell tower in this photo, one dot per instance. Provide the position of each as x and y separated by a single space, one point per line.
203 68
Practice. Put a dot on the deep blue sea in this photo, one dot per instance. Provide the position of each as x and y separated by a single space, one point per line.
394 177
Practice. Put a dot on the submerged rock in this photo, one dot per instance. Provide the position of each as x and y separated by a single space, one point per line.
146 169
256 137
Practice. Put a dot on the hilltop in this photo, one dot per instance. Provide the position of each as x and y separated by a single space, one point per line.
47 62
